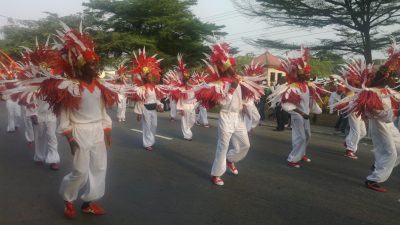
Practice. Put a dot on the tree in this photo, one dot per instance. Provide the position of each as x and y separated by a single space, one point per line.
325 63
167 27
243 60
25 32
356 22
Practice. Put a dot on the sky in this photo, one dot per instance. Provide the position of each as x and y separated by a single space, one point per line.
220 12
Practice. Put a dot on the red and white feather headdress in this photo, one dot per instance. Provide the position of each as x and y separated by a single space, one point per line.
296 63
145 66
77 49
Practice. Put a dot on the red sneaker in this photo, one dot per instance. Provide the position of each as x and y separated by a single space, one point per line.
294 164
148 148
69 210
374 186
217 181
55 166
305 159
350 154
232 167
94 209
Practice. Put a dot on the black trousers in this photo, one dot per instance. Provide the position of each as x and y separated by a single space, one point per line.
281 117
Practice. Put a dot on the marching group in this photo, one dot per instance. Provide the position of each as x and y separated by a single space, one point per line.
60 91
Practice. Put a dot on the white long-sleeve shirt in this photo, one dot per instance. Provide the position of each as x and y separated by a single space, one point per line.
232 102
91 110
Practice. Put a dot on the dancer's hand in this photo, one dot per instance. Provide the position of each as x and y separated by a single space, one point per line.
108 140
160 108
305 116
73 145
139 117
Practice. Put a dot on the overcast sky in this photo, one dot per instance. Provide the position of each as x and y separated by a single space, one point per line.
221 12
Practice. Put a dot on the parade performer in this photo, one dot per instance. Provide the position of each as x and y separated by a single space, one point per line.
379 103
121 106
201 118
147 76
66 77
352 73
29 133
299 97
179 81
46 144
228 90
9 70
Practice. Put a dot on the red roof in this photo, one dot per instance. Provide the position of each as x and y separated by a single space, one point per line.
268 60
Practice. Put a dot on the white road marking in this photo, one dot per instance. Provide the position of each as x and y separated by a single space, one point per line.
160 136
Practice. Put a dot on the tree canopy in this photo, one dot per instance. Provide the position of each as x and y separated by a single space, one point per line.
164 26
362 25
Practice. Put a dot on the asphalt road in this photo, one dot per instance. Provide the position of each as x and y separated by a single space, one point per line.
171 184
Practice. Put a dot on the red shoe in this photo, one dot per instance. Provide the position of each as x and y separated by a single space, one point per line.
217 181
94 209
305 159
232 167
294 164
374 186
30 144
148 148
69 210
350 154
55 166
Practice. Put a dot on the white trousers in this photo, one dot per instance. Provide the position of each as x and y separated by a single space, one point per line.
301 133
202 116
356 133
172 105
149 127
46 142
29 133
386 140
187 122
14 112
230 128
252 118
121 109
89 164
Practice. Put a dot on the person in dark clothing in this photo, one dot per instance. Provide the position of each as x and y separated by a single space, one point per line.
261 105
281 115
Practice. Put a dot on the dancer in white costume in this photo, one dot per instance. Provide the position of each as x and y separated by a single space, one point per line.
380 104
180 83
121 107
28 112
201 118
172 109
147 76
14 114
227 89
299 98
46 144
